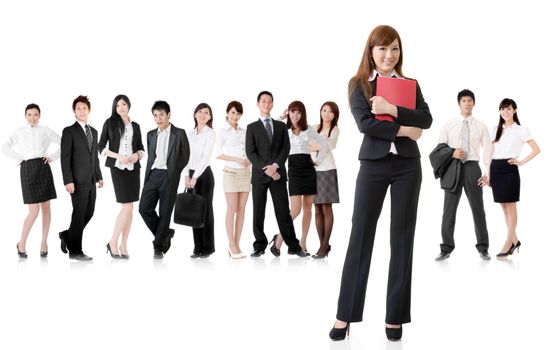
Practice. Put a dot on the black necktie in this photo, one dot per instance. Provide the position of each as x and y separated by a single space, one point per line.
89 136
268 129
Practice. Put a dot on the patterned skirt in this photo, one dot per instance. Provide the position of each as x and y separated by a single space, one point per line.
37 185
328 188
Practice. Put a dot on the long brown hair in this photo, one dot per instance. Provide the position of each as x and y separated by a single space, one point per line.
382 35
302 123
335 110
505 104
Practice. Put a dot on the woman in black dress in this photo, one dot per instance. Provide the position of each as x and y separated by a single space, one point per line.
28 146
123 153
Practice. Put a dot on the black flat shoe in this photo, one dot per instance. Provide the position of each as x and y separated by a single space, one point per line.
339 333
257 253
394 334
63 243
195 255
442 256
22 255
157 254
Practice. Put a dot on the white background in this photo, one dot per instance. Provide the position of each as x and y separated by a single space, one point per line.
217 51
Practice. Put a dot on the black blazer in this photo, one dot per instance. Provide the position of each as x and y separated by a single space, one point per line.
446 167
79 165
379 134
261 152
178 153
113 138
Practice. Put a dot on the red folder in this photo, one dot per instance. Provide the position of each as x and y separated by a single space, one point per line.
400 92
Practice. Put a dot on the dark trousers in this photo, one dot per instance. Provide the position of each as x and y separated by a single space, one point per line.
470 174
280 200
204 238
83 203
403 176
158 189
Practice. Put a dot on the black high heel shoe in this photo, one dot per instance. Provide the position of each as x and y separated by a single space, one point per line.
322 256
516 247
22 255
273 249
114 256
394 334
509 252
44 254
339 333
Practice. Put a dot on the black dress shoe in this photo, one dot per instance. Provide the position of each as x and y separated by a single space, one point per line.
300 253
22 255
273 249
195 255
63 243
205 255
168 242
339 333
394 334
442 256
257 253
80 257
484 255
157 254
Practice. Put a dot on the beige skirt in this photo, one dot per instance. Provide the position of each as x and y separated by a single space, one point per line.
236 180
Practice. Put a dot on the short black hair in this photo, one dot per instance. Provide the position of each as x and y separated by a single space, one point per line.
161 106
32 106
265 93
463 93
81 99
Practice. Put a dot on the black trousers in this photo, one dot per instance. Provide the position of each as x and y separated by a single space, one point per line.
403 176
280 200
470 175
204 238
83 203
158 189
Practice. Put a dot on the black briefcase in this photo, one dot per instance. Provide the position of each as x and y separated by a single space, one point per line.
190 209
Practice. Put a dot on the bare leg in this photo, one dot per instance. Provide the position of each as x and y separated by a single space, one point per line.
127 210
307 202
239 220
119 225
296 206
510 214
232 205
45 213
27 225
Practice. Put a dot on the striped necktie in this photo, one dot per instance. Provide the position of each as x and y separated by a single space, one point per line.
268 129
465 140
89 136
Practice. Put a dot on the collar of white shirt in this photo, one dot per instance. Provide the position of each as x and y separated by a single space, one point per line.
469 119
202 131
165 130
511 126
229 127
82 126
375 73
263 119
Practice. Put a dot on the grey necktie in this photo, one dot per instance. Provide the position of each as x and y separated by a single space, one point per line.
89 136
268 129
465 140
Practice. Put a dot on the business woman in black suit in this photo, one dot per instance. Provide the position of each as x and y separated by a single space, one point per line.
267 148
167 154
389 158
80 171
124 151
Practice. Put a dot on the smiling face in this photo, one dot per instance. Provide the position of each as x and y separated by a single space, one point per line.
122 108
32 116
233 116
386 57
265 104
327 114
202 117
507 114
161 119
295 116
82 112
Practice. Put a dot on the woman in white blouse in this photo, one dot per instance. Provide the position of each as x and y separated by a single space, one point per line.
328 188
231 144
301 172
503 176
121 143
28 146
200 177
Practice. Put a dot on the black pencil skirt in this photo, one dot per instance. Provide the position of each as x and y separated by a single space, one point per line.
37 185
302 175
505 181
126 184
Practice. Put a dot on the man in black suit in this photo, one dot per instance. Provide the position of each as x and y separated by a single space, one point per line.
168 153
267 147
80 171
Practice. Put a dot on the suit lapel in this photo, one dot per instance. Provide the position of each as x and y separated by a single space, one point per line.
172 140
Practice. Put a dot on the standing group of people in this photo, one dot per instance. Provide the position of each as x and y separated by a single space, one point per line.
389 160
172 155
